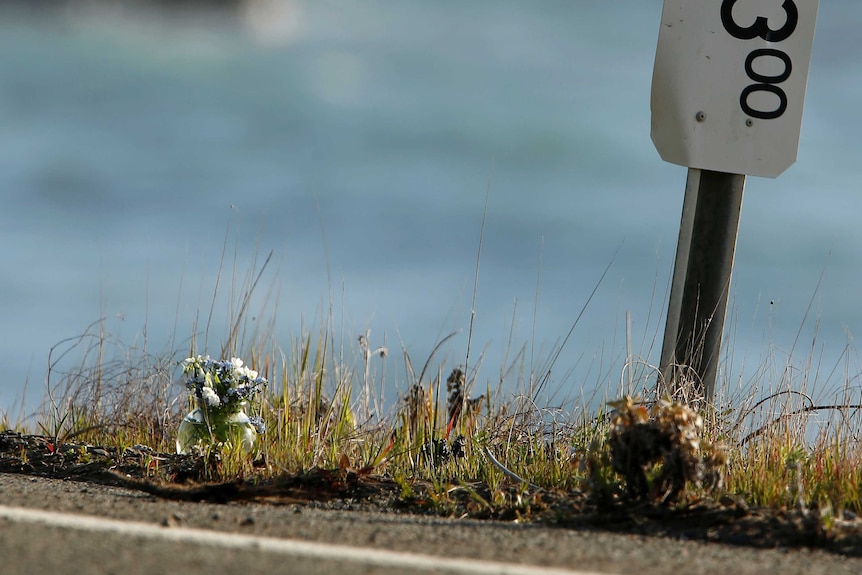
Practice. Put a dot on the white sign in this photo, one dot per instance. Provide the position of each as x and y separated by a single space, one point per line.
729 83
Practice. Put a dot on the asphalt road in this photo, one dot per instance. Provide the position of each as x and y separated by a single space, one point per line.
52 526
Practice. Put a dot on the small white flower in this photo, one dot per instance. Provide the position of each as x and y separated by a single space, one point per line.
210 397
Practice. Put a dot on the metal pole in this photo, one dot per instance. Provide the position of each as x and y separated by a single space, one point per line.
701 280
668 350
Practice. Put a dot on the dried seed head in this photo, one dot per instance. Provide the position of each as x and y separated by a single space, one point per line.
669 435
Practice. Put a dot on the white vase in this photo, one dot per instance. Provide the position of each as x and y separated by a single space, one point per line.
233 428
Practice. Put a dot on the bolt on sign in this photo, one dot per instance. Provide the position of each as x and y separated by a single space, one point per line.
729 83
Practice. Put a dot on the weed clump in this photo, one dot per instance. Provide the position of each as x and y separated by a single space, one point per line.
440 451
659 451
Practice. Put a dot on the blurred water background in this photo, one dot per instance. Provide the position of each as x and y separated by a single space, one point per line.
357 141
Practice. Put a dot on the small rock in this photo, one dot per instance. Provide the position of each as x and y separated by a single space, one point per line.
247 521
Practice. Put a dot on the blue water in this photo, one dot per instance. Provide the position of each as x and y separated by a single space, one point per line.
358 143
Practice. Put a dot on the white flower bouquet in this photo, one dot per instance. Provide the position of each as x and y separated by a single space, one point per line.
221 390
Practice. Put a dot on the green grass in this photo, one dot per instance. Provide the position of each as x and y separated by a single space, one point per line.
324 409
313 413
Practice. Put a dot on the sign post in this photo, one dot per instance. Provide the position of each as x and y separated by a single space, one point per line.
727 99
701 279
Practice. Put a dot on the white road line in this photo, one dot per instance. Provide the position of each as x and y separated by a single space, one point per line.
370 557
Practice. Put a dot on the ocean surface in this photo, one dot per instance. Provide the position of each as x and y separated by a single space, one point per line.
145 155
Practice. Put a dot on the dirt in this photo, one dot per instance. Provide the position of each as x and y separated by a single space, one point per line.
182 478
